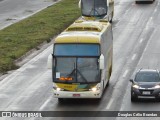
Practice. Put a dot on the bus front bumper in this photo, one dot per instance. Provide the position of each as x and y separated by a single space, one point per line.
84 94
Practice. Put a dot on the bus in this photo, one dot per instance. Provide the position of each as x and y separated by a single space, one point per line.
81 61
101 9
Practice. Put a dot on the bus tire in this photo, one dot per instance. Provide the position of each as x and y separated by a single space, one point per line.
60 100
107 83
111 18
110 72
98 99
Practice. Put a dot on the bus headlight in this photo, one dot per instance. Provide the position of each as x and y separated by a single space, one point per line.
58 89
97 87
94 89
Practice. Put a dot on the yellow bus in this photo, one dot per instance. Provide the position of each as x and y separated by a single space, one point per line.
81 62
101 9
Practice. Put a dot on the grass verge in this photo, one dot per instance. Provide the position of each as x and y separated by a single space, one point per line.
25 35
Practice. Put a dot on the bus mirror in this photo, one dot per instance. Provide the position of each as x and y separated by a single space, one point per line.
131 80
49 62
101 62
79 4
108 3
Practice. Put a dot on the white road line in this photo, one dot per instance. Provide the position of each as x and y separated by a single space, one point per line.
149 21
123 101
45 103
134 56
125 73
141 40
109 104
145 49
155 10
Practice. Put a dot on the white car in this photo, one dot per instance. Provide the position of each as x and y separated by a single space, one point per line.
138 1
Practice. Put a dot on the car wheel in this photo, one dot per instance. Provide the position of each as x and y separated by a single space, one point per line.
133 99
137 2
158 99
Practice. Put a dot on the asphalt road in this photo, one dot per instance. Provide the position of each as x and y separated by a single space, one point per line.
136 30
12 11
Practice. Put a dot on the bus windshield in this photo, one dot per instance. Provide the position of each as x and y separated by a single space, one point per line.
76 50
76 70
96 8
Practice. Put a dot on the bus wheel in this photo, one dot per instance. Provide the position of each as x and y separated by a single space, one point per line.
110 72
111 18
60 99
98 99
107 83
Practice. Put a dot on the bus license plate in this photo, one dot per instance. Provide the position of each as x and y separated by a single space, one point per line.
146 92
76 95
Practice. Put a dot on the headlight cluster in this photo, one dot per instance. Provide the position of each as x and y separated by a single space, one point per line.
57 88
97 87
136 86
157 86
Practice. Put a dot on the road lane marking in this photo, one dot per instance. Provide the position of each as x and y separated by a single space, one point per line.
134 56
45 103
141 40
149 22
125 73
109 104
155 10
127 93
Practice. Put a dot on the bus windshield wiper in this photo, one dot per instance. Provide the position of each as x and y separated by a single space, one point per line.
82 76
74 70
71 72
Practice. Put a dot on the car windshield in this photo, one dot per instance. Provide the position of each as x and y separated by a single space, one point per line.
76 70
94 7
147 77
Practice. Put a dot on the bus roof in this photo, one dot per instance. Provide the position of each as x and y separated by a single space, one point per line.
77 37
82 32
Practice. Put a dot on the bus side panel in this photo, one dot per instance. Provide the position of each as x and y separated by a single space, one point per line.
111 7
107 51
